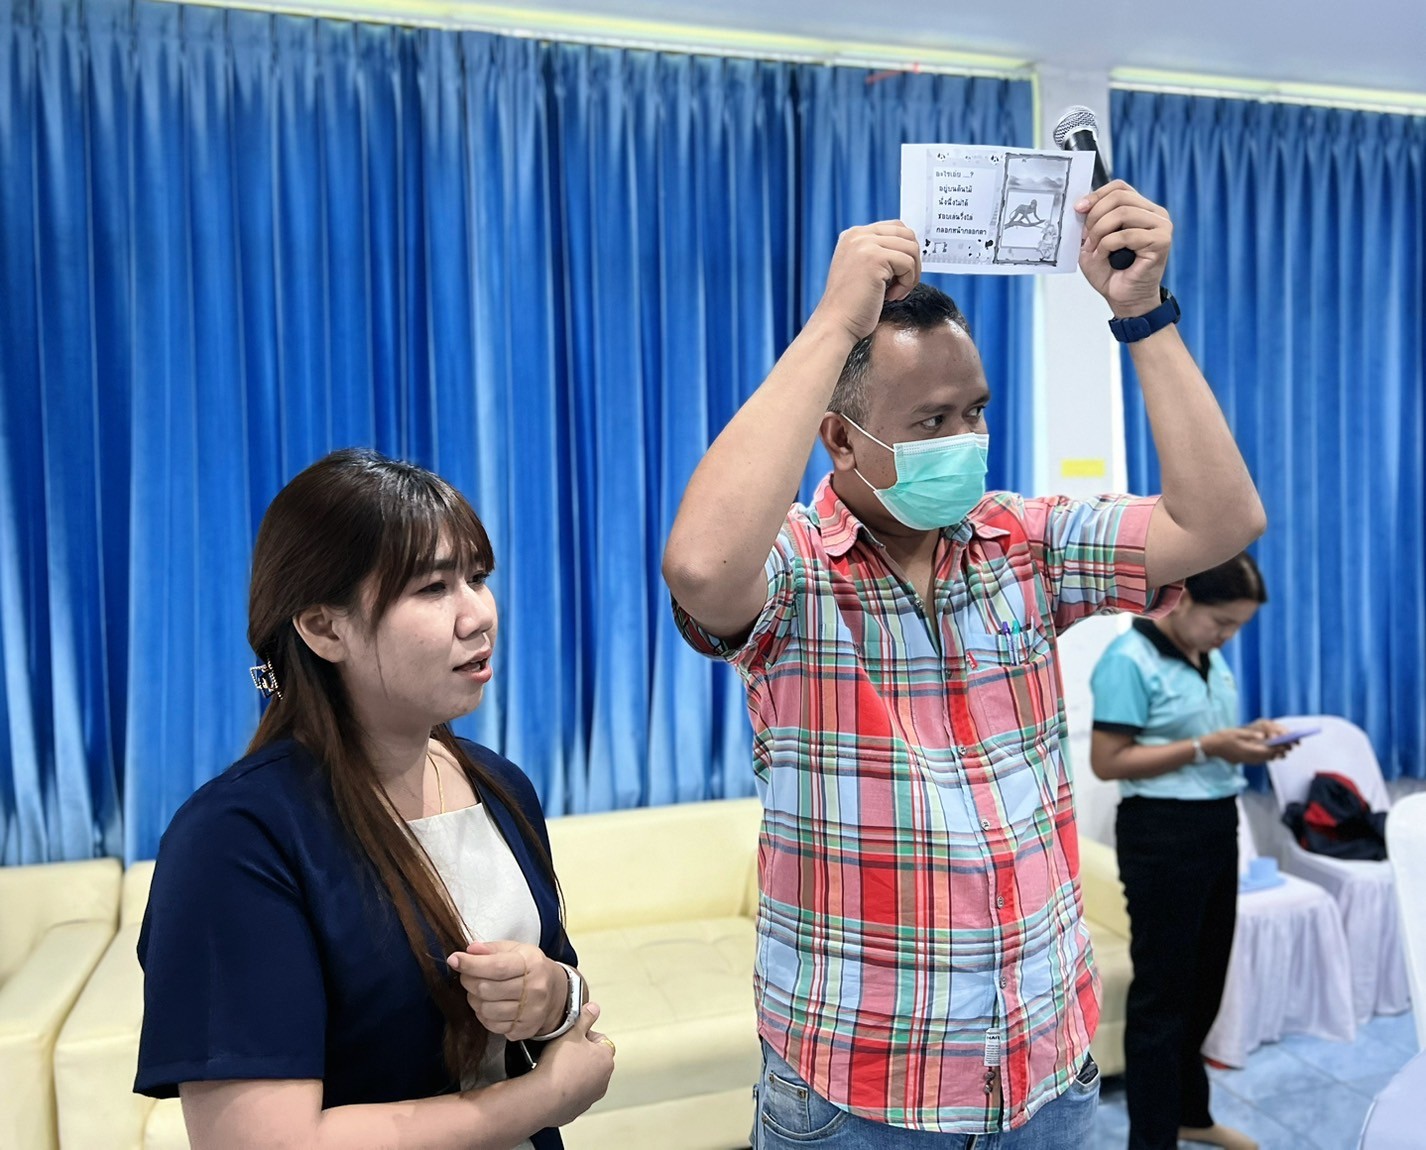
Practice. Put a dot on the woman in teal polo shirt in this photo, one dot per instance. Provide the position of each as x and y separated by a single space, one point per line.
1166 727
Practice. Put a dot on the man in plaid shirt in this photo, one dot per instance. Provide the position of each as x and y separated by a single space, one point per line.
923 972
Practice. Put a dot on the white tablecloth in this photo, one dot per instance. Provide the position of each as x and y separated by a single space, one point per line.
1395 1120
1364 893
1290 972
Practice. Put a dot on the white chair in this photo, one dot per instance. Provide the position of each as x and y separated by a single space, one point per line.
1363 889
1289 972
1406 847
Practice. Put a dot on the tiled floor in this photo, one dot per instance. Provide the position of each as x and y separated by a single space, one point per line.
1297 1094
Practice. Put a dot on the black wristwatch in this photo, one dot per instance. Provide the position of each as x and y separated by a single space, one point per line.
1137 327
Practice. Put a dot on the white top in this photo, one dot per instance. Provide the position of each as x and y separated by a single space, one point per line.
490 892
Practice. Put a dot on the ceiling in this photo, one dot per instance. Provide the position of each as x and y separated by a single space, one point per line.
1376 44
1375 47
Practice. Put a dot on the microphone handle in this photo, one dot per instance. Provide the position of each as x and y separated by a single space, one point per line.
1101 175
1122 258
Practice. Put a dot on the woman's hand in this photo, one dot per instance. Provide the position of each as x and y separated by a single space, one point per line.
513 988
576 1067
1269 729
1243 744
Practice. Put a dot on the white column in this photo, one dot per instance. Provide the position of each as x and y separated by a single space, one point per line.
1079 436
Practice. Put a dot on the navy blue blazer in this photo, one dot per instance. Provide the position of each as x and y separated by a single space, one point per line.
270 950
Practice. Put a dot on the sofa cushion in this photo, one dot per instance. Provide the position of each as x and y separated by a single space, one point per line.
1111 955
134 895
1103 893
165 1129
702 1122
677 998
1107 917
659 864
96 1055
33 1006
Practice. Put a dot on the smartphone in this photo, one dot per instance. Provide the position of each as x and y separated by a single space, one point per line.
1292 736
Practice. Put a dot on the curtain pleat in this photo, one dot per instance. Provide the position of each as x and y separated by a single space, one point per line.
1300 268
852 125
235 241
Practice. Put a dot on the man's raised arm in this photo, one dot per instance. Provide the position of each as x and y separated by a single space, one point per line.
1210 508
738 496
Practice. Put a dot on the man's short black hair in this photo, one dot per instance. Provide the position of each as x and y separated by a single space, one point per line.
925 308
1239 578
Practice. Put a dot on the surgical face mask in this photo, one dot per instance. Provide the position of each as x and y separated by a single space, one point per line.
938 481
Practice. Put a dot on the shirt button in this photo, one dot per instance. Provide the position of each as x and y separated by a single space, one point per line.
1000 902
1003 981
985 824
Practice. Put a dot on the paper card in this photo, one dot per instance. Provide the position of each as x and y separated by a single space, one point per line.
994 211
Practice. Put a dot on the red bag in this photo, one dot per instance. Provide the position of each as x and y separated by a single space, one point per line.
1336 820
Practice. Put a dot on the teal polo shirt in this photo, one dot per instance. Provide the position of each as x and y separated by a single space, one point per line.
1144 686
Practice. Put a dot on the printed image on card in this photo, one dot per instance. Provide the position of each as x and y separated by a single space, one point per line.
1031 207
996 211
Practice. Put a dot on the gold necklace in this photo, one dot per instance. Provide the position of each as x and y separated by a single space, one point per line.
440 790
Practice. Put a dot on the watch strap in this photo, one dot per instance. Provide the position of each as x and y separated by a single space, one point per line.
1133 328
573 1004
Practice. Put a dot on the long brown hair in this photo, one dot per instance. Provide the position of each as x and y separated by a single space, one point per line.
351 517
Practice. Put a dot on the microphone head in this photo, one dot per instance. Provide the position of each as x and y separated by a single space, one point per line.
1076 119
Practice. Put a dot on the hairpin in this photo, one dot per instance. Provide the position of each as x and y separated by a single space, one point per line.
265 679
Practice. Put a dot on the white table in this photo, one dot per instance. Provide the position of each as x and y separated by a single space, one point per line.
1289 973
1397 1119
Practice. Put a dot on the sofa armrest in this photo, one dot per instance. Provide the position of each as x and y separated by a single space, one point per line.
33 1006
44 895
97 1053
1103 893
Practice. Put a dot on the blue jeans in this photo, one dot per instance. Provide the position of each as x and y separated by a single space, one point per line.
790 1115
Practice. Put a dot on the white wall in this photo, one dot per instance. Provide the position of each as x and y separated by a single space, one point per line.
1079 429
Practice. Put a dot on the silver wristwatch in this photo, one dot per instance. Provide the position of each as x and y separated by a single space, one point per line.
573 1004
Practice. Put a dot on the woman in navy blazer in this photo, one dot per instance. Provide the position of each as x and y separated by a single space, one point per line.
353 936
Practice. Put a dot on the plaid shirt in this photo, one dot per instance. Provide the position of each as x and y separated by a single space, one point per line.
918 860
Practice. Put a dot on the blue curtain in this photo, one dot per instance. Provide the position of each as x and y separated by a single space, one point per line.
233 242
852 126
1300 264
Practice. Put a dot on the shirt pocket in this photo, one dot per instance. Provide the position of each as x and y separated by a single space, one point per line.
1009 681
989 642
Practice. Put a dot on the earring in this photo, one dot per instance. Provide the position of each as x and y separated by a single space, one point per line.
265 679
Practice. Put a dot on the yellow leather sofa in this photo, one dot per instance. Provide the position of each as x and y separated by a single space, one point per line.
660 905
1107 916
55 921
98 1049
669 953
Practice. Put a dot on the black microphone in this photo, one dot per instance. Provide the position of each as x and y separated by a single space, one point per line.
1078 131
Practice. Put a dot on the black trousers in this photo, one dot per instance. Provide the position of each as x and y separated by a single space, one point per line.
1179 864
